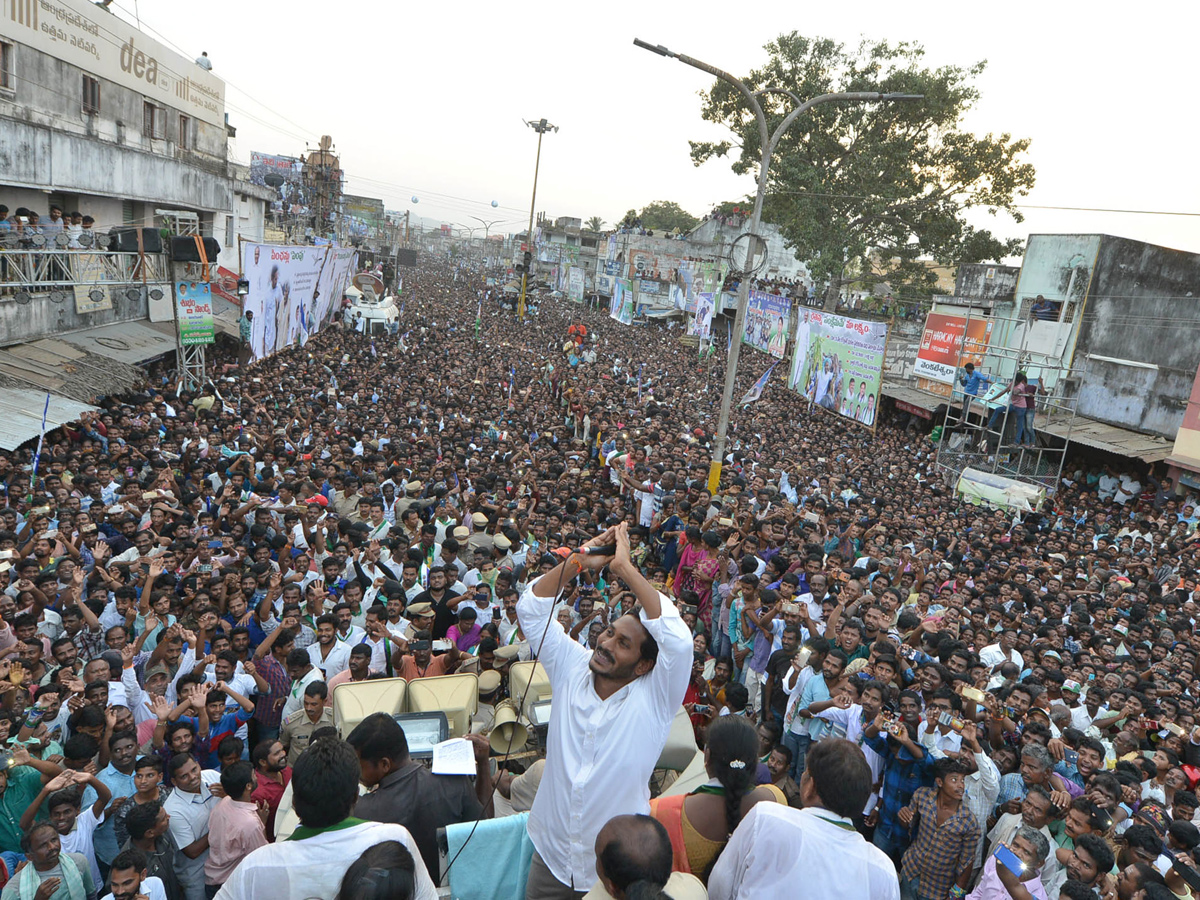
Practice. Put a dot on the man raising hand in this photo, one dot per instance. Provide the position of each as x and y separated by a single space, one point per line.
613 711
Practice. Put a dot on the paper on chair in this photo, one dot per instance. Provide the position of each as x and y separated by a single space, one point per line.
454 757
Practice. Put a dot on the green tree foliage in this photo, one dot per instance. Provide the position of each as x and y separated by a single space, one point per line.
664 216
875 186
595 223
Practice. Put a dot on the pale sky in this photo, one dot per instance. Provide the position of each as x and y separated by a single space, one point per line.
426 100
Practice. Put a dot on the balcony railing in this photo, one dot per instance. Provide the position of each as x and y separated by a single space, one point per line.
25 271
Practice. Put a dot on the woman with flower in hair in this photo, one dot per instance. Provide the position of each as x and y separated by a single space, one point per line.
701 822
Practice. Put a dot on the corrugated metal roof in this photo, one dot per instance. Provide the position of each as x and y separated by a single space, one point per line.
21 415
1147 447
127 342
912 395
1081 430
70 370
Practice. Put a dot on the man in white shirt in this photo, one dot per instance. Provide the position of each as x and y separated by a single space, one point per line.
616 707
314 860
303 673
776 848
1004 650
189 805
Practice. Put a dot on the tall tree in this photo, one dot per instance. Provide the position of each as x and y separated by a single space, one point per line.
873 189
595 223
663 215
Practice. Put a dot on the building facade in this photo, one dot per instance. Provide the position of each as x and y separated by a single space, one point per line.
97 117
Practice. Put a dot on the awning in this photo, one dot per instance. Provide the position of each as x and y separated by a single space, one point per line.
127 342
21 415
913 396
85 364
1082 430
1111 438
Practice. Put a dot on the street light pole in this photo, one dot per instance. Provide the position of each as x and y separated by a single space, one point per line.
768 141
488 225
541 127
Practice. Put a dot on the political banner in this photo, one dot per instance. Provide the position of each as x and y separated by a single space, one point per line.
766 323
701 324
575 284
283 287
284 174
948 343
621 307
604 284
758 387
193 301
338 268
838 364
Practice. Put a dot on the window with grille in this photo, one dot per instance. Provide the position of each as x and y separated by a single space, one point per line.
185 129
153 120
91 94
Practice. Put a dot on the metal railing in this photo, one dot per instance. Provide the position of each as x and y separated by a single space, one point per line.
28 271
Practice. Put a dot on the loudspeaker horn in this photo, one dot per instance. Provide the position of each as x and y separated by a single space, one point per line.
508 734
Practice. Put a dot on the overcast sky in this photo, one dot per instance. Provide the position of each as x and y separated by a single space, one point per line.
427 100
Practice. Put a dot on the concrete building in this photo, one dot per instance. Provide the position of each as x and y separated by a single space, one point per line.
714 237
99 118
1113 332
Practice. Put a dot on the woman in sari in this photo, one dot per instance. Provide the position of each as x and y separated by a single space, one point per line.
691 554
701 822
705 572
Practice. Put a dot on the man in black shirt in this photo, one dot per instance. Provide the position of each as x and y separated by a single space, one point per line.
444 601
408 793
774 696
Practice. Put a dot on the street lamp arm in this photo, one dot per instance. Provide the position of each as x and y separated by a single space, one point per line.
751 99
778 90
841 97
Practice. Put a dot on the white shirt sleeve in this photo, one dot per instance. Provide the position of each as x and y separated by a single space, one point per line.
670 675
725 881
556 650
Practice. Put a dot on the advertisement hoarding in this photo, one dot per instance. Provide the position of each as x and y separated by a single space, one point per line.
193 301
948 343
103 44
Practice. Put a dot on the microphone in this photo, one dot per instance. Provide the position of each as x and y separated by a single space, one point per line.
603 550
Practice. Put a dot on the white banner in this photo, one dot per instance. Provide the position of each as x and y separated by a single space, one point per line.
340 266
575 284
701 325
284 297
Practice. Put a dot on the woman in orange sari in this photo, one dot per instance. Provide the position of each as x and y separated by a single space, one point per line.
701 822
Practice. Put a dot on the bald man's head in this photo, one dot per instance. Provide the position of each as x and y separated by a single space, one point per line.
632 849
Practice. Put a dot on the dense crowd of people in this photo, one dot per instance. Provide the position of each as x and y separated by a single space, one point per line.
896 693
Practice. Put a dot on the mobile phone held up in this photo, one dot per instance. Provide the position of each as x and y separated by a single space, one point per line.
1005 857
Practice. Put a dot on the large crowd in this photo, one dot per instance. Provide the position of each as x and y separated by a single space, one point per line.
896 693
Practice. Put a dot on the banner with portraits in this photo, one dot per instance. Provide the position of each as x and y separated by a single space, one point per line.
838 363
766 323
701 324
293 292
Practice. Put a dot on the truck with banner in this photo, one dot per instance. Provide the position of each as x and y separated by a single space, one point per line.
838 363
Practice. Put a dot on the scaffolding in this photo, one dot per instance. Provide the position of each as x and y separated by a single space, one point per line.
980 432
